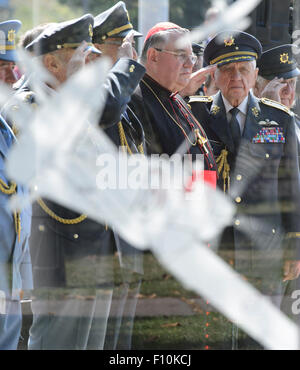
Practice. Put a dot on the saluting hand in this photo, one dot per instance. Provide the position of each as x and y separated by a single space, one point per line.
291 270
273 89
197 79
127 50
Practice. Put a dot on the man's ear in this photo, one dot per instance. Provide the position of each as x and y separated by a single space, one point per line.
51 62
212 75
152 55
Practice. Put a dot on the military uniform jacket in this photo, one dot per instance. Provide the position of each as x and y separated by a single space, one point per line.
130 128
264 180
297 121
167 121
66 239
15 262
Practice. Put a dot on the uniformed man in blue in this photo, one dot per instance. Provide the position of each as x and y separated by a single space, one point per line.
73 255
255 146
111 27
8 54
15 262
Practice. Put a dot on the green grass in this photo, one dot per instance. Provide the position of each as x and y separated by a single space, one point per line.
199 331
157 333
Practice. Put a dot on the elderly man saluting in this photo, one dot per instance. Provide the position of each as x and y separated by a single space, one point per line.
255 146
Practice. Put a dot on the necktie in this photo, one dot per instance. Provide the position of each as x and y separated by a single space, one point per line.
235 127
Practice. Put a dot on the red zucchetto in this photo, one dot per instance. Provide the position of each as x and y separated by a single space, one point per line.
162 26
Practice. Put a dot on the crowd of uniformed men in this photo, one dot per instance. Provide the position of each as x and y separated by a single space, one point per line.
237 112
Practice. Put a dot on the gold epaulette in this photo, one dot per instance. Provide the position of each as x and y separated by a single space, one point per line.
276 104
200 99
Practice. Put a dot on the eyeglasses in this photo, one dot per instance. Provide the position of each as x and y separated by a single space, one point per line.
183 58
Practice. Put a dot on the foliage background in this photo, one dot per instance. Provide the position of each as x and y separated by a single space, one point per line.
187 13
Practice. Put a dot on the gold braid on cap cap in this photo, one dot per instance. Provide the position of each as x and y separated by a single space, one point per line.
72 45
8 47
128 26
245 54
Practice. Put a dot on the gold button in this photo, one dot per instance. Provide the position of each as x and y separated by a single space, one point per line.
41 227
132 68
238 199
76 236
267 155
273 231
237 222
239 177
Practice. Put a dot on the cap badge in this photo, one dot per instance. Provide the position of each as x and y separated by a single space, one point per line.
91 30
229 41
11 35
284 58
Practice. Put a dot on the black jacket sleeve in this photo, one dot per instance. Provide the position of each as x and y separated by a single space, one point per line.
121 81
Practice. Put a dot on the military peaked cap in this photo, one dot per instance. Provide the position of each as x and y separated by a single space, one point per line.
279 62
232 46
114 22
64 35
8 31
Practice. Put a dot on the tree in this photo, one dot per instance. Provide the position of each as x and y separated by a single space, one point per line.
187 13
36 12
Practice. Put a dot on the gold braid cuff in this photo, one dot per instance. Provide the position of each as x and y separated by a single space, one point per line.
224 166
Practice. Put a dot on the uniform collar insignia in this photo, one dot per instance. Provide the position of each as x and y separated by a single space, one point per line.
215 109
255 112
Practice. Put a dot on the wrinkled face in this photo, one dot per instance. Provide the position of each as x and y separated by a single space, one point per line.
7 74
173 71
235 80
287 93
